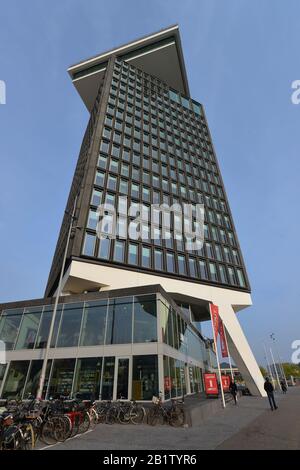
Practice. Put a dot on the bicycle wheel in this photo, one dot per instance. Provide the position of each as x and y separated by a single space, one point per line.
62 428
47 432
155 416
111 416
137 414
28 440
124 415
84 422
177 417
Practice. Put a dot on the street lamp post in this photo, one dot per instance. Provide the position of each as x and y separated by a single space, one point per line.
268 365
272 336
58 294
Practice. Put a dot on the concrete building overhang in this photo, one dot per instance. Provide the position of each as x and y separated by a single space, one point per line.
159 54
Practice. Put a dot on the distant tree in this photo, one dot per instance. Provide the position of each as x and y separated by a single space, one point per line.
291 369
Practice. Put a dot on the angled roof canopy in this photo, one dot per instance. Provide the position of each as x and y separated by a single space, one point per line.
159 54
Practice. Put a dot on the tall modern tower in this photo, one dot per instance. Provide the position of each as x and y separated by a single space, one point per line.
148 140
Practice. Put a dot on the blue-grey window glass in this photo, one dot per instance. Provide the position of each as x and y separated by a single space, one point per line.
132 253
158 260
42 336
192 266
89 244
15 380
9 326
196 108
93 323
92 220
174 96
145 319
223 275
181 264
119 250
213 272
56 326
203 269
96 197
241 278
70 325
146 257
232 278
104 248
99 179
29 328
170 263
119 321
185 102
102 162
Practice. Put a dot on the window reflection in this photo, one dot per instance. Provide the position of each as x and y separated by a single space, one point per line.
87 378
15 380
70 325
144 377
145 324
93 324
9 325
61 377
29 327
119 321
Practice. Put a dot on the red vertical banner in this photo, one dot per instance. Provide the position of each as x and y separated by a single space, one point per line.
214 313
225 382
224 349
211 384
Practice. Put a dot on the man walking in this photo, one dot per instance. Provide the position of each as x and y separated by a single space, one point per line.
233 390
270 392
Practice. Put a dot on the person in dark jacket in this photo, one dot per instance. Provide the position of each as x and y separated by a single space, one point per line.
270 392
233 390
283 386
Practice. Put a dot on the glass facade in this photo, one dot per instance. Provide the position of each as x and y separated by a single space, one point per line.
117 321
111 321
155 149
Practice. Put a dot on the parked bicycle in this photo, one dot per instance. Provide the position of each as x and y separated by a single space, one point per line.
172 414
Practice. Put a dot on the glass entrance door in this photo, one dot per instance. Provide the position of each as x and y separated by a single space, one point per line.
122 378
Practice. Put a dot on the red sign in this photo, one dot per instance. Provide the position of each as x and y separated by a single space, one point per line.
225 382
214 313
224 349
167 383
211 384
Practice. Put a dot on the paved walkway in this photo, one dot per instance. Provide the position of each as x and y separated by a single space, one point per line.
249 425
279 429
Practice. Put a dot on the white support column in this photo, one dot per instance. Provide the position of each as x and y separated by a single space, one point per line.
241 351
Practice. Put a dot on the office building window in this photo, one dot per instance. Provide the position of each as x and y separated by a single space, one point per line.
170 263
203 269
158 259
89 244
119 250
104 248
146 257
181 264
132 253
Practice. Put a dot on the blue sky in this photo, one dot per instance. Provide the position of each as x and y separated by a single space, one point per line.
241 58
